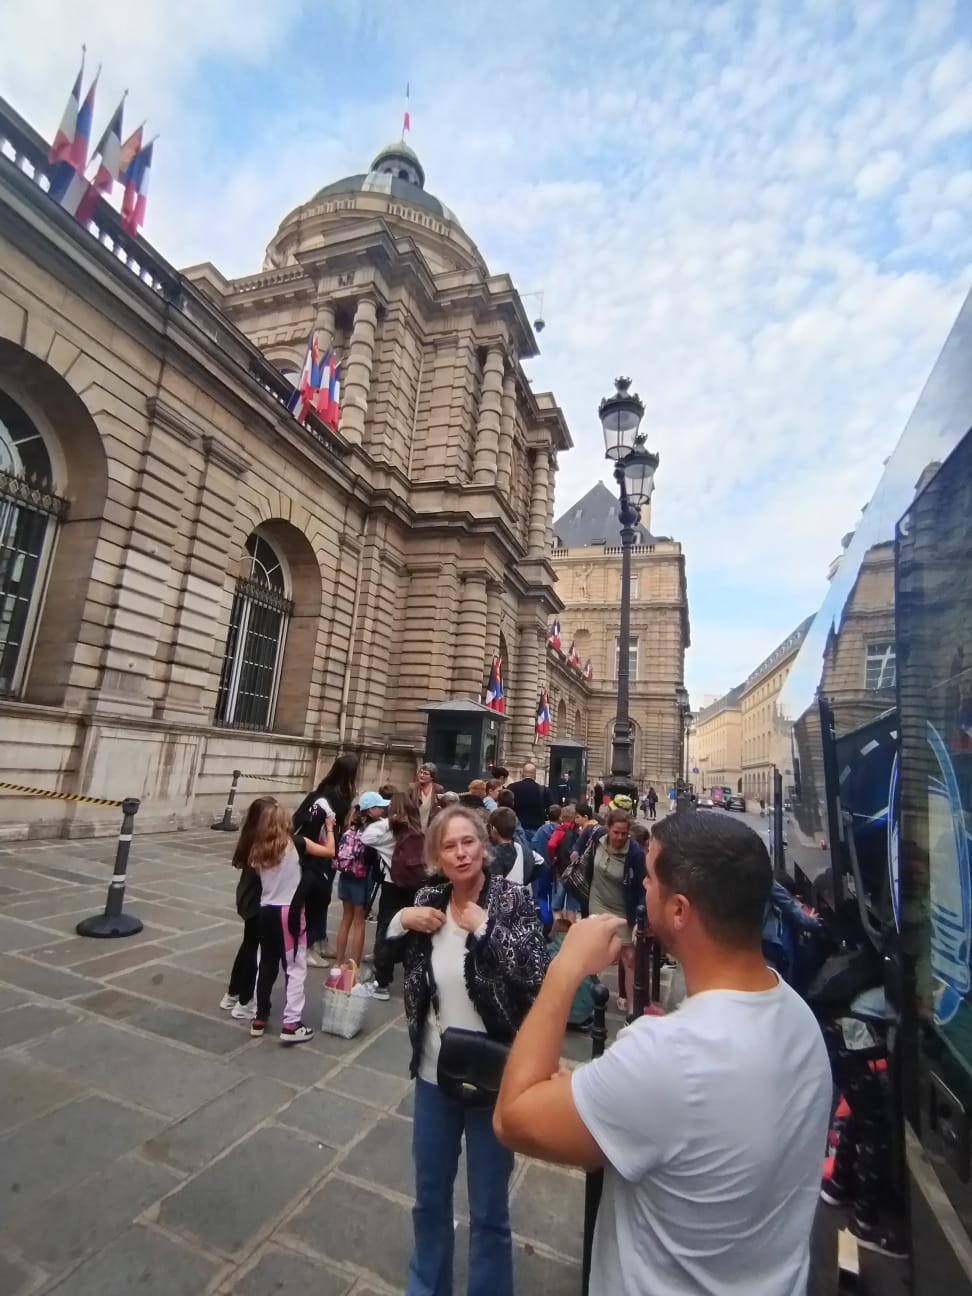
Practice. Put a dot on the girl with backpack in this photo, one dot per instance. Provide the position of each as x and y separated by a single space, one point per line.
353 882
400 844
334 795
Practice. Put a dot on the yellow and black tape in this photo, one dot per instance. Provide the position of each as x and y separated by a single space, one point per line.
57 796
269 778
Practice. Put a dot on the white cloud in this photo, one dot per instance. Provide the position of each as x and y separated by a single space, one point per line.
759 212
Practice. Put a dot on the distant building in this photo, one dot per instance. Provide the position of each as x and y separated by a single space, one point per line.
761 727
718 742
587 560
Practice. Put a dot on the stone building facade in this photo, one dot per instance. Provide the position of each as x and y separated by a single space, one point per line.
859 659
761 729
587 561
193 582
718 742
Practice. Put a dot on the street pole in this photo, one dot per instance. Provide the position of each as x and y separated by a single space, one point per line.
621 781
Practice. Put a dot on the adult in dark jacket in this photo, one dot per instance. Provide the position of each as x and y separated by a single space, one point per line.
531 799
475 959
335 790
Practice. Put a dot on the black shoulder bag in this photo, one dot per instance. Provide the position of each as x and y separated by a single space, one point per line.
471 1066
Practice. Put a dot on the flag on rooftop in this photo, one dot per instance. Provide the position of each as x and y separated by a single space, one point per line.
68 185
109 150
69 119
136 181
307 394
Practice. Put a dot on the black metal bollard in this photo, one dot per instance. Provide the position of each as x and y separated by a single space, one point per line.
642 969
226 824
113 922
595 1180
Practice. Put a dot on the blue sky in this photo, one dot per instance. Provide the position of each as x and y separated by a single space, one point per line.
758 209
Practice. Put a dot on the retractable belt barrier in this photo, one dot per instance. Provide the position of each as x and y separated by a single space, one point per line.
112 922
226 824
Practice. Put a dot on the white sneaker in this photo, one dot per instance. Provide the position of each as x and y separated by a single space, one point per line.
244 1012
381 993
315 961
228 1001
295 1034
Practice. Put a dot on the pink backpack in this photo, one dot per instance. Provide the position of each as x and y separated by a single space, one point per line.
350 854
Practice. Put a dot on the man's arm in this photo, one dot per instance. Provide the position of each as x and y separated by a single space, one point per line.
535 1111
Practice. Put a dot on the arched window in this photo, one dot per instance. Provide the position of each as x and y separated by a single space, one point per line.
254 647
561 730
29 511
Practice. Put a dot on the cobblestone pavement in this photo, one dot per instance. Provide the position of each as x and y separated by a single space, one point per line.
147 1143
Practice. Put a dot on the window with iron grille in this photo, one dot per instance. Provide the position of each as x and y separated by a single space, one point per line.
250 675
29 513
879 666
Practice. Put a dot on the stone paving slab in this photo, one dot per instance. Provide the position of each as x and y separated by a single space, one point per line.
63 1148
343 1222
134 1068
52 983
143 1261
369 1086
18 934
546 1204
238 1198
15 1277
27 1090
32 1021
329 1117
285 1273
83 1219
193 1142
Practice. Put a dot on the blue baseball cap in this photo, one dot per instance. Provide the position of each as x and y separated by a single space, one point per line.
372 801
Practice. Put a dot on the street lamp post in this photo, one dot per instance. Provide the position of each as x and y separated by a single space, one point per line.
634 471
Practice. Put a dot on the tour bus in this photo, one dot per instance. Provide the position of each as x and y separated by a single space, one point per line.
875 754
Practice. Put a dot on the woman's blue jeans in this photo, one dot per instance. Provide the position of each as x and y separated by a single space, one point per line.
437 1130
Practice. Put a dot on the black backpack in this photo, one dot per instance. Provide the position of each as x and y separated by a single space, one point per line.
408 862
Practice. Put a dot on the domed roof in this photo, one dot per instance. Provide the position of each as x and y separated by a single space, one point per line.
397 172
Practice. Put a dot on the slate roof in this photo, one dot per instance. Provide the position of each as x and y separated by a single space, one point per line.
593 520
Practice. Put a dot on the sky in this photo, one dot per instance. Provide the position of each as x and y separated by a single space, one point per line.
757 209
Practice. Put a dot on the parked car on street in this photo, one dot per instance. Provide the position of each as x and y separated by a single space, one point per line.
736 803
706 803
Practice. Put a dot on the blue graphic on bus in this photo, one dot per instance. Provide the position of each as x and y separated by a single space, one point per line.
950 885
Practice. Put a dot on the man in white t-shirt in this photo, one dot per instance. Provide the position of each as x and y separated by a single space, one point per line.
710 1123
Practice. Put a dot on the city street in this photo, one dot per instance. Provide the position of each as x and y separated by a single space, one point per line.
146 1142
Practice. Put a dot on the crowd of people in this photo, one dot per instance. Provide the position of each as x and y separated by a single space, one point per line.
504 905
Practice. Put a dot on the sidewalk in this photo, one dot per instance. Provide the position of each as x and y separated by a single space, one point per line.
147 1143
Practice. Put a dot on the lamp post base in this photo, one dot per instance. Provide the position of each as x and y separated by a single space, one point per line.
621 785
109 926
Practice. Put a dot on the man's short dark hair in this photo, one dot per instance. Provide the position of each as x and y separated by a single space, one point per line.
584 809
553 813
500 773
503 823
504 797
722 868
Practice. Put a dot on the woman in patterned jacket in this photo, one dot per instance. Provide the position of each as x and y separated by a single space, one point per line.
475 958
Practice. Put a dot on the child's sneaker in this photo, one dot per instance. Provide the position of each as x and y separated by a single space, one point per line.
381 993
228 1002
244 1012
257 1028
294 1034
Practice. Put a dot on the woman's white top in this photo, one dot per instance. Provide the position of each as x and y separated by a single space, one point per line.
449 974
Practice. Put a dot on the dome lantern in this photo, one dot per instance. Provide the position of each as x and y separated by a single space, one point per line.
401 163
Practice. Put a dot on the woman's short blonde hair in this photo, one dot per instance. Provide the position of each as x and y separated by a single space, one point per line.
436 831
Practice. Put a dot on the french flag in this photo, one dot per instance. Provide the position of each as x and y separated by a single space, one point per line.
69 120
110 168
495 696
329 400
543 717
307 395
68 185
136 181
553 639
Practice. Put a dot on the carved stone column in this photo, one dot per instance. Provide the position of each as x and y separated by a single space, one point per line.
551 488
324 325
488 426
468 677
536 540
526 692
356 372
504 467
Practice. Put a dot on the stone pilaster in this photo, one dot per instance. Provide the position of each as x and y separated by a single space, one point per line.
489 423
356 372
468 676
536 542
526 692
504 466
551 487
324 324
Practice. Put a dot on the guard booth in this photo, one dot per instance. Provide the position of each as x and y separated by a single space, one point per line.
568 760
462 739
